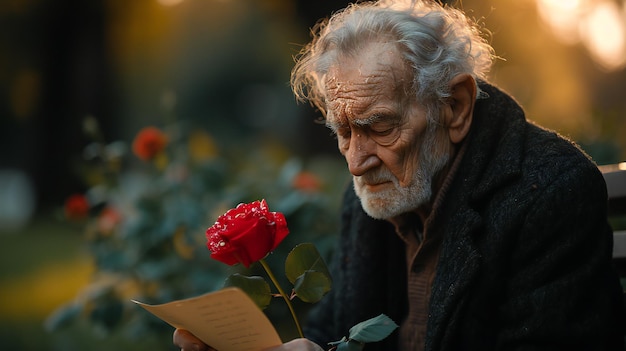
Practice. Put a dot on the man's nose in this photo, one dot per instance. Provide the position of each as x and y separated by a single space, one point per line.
361 155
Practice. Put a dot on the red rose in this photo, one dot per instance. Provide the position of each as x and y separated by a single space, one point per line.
76 207
149 142
246 234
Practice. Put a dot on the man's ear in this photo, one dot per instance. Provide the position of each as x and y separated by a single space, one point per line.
460 108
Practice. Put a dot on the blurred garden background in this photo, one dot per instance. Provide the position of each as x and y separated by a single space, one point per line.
86 224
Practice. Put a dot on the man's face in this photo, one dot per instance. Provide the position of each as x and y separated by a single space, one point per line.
382 131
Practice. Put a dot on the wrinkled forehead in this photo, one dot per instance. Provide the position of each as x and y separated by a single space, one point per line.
375 71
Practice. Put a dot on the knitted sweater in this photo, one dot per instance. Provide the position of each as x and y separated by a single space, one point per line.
525 262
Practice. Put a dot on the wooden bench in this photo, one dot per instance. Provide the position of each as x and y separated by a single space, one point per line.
615 177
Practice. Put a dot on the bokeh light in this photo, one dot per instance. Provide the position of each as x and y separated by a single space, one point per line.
598 24
602 32
169 2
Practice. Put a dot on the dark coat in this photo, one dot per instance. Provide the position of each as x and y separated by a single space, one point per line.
526 259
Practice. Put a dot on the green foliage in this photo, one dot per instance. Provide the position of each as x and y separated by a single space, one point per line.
304 268
371 330
254 286
146 228
307 271
312 286
304 257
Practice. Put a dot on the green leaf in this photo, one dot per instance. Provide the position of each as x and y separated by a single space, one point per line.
303 258
312 286
255 287
372 330
333 343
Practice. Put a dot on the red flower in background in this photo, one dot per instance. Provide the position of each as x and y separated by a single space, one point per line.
306 182
149 142
76 207
108 220
246 234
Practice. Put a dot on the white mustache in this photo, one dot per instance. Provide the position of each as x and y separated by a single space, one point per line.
376 177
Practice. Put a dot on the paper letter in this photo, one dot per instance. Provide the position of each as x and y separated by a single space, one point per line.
227 320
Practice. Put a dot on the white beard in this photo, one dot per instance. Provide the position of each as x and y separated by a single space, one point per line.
394 201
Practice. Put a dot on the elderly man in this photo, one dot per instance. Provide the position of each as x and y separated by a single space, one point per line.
469 226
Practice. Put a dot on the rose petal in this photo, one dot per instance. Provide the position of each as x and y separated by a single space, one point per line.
246 233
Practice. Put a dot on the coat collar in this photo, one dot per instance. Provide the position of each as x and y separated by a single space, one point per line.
496 140
493 158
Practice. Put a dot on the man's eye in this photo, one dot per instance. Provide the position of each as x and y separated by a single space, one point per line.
383 131
384 134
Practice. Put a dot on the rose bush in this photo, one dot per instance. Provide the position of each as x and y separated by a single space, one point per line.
246 234
145 223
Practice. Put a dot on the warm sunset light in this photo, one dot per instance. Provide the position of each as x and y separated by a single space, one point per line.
144 142
598 24
169 2
562 17
602 32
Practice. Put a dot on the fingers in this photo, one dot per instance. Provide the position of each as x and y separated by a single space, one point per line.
188 342
297 344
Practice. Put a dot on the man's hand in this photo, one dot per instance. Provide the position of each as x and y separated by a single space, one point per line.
188 342
297 345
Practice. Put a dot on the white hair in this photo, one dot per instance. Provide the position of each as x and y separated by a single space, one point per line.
437 42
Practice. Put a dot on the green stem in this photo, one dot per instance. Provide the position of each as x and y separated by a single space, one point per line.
282 293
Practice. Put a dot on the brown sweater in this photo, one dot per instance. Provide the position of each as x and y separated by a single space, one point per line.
422 254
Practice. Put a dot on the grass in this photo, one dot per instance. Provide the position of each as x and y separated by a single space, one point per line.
42 267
